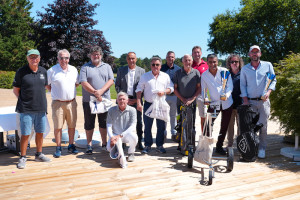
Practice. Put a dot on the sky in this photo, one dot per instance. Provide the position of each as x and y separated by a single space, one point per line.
154 27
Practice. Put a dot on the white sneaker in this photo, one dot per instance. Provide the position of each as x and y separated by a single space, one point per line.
261 153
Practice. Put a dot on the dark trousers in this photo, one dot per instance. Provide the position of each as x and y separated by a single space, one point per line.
139 124
161 127
225 119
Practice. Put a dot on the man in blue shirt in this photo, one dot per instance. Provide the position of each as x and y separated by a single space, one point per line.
170 68
253 82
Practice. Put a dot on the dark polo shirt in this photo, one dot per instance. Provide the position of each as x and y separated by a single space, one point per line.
32 98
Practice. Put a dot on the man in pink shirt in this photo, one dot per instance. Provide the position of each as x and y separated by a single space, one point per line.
201 66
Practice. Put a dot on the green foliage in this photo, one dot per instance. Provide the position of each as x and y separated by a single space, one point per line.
6 79
273 25
286 98
14 30
69 25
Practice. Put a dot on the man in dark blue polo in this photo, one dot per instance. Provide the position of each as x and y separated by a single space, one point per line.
170 68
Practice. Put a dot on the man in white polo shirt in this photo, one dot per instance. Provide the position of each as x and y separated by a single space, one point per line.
62 80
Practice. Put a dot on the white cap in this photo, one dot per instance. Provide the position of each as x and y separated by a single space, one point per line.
254 47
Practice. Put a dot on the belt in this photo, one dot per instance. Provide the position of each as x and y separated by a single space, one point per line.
130 97
66 101
255 99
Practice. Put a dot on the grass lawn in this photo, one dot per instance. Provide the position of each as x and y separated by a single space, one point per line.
113 92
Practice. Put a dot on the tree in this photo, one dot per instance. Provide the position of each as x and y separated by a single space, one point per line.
286 98
14 29
273 25
68 24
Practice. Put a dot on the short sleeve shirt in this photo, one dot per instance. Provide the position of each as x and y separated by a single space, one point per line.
187 83
97 77
63 83
32 97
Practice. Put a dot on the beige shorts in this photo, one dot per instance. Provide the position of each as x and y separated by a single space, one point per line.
200 105
62 111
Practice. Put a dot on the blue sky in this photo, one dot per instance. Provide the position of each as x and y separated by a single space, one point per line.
153 27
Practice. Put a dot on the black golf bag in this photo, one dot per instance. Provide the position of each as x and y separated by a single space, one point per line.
248 141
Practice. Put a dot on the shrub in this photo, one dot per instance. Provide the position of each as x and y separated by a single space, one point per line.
6 79
286 98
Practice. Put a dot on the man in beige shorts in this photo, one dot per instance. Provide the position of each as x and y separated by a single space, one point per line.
62 80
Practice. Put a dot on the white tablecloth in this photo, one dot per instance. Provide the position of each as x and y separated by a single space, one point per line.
10 120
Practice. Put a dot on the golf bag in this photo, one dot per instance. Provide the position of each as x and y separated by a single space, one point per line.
248 141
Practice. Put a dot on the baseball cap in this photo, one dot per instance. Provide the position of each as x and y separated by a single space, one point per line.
33 52
254 47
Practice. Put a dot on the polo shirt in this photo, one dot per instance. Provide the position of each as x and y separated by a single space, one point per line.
202 67
253 81
121 120
170 71
97 77
32 97
187 83
151 85
62 82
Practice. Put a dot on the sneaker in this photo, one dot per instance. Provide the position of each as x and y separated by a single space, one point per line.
57 153
261 153
161 149
221 151
89 150
42 158
140 146
130 157
72 149
22 163
146 150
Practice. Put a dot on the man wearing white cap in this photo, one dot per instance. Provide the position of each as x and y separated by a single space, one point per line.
253 82
29 87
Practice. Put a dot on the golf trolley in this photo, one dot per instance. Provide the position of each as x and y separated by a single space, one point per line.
204 149
186 138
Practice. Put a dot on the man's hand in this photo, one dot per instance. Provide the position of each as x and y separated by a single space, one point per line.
139 107
189 101
267 95
114 139
161 93
98 94
131 102
245 101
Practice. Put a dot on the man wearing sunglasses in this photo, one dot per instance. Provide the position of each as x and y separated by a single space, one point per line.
62 80
151 84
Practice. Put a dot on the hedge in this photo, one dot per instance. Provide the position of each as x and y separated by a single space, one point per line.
6 79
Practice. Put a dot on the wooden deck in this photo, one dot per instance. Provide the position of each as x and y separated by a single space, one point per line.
154 176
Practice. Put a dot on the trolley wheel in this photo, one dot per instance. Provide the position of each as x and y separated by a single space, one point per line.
210 177
190 157
230 159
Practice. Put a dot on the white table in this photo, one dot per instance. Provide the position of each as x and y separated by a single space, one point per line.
9 120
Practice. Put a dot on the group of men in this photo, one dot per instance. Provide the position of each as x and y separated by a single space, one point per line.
174 84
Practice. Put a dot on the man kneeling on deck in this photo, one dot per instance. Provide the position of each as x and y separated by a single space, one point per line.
121 123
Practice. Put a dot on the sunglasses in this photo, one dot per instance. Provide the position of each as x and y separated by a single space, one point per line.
231 62
64 58
155 64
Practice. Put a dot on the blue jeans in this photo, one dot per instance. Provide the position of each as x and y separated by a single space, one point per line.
38 120
161 127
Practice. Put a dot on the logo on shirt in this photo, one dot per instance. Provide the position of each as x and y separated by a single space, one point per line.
42 76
